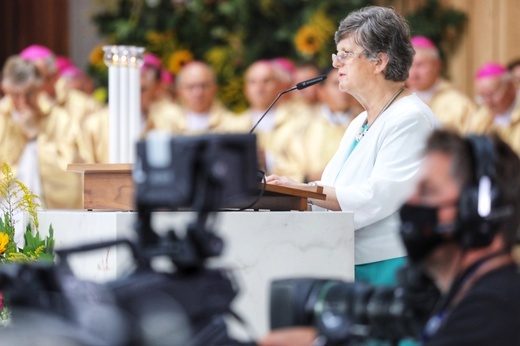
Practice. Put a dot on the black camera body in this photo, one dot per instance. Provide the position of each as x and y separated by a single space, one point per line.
203 173
350 312
145 308
148 307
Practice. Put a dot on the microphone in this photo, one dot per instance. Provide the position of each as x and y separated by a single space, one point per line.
309 82
299 86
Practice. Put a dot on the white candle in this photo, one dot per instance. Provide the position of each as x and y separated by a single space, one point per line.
124 64
135 105
124 106
112 60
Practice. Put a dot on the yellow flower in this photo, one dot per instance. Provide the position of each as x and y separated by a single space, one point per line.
311 37
96 56
7 181
324 26
307 41
4 240
18 257
28 202
178 59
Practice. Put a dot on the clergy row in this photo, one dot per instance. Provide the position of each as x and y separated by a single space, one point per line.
495 109
48 119
46 123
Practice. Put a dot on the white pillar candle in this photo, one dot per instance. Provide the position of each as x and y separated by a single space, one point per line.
111 59
124 63
135 100
124 106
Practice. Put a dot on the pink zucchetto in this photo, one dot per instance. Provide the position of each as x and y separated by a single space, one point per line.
422 42
167 77
152 60
36 52
63 63
491 69
71 72
285 64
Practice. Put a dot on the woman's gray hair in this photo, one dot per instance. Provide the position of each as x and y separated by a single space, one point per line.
381 30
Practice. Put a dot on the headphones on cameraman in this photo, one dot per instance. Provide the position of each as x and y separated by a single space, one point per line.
479 211
478 219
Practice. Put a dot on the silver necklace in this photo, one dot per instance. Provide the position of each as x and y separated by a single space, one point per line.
365 126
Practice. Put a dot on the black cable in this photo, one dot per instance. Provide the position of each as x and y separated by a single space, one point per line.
261 174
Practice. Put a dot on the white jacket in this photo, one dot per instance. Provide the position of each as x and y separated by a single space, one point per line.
380 174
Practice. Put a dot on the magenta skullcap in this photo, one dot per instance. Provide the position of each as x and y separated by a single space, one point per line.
71 71
422 42
166 77
285 64
36 52
62 63
152 60
491 69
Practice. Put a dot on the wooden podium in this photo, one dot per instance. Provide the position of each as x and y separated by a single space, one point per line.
111 187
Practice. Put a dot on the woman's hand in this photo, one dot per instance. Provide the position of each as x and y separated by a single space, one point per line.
278 180
331 202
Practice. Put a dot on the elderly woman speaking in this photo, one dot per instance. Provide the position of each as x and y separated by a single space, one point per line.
376 165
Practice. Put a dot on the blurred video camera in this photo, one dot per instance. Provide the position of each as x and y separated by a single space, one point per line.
350 313
148 307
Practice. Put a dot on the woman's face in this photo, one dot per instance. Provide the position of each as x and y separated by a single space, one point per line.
352 64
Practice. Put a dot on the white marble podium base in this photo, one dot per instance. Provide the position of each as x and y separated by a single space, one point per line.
259 247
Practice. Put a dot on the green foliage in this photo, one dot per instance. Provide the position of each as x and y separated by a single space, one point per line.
38 248
16 197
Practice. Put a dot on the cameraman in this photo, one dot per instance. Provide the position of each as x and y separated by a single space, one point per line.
469 256
460 226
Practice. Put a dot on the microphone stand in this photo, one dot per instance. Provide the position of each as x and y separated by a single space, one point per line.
271 106
299 86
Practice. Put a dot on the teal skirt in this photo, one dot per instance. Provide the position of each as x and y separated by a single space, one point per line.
380 273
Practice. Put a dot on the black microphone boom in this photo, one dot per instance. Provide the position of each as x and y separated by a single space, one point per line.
308 83
299 86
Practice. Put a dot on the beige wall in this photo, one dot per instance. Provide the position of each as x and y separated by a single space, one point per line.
492 34
83 33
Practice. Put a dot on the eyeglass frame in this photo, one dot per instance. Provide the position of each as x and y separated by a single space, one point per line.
345 55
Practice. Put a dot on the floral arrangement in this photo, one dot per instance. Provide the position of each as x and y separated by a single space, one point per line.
228 34
231 34
15 197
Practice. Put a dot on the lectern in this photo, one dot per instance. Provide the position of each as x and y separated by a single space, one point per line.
111 187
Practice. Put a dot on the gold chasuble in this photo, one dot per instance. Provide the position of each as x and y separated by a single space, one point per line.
75 102
320 141
482 123
175 121
51 130
278 144
452 108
